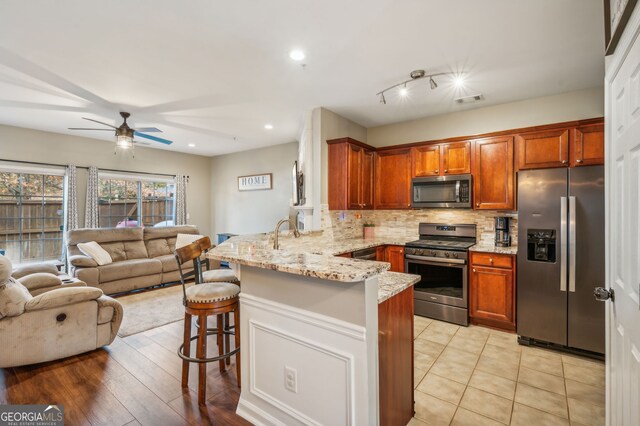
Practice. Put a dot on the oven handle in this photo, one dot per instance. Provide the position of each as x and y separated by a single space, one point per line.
437 261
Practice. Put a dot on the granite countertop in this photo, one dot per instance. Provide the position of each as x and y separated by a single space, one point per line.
490 248
313 255
392 283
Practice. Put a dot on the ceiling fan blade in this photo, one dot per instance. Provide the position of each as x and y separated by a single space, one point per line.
85 128
99 122
148 130
153 138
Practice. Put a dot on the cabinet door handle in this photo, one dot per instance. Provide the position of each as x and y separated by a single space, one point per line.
490 260
564 161
477 204
409 205
579 161
446 171
474 269
437 171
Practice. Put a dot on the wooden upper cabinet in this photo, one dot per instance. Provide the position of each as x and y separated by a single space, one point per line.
541 150
441 159
494 176
350 167
426 160
456 158
354 177
587 145
366 175
393 179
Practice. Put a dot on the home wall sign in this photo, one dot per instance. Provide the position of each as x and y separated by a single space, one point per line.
254 182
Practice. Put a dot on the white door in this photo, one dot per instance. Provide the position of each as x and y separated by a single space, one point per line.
622 121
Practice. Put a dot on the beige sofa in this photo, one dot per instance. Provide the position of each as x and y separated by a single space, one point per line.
142 257
60 321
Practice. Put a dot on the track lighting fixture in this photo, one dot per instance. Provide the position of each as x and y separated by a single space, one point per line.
415 75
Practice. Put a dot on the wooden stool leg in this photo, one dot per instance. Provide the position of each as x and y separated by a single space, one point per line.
227 338
202 353
187 349
236 322
220 327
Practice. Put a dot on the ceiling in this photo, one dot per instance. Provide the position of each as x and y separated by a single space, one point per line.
213 73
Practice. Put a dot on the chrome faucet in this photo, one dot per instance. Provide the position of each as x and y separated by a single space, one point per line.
276 244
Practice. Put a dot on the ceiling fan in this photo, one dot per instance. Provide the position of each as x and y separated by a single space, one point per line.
125 134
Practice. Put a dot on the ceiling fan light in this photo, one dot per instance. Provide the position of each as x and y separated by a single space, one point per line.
124 141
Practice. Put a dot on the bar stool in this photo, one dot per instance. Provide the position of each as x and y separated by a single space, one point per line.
209 275
204 300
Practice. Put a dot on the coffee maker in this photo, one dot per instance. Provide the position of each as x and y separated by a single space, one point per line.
503 238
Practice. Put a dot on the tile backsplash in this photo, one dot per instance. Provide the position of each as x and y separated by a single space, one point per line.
404 223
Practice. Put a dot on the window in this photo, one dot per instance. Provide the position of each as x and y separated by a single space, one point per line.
31 216
130 202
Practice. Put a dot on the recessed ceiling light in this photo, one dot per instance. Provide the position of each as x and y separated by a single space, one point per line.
297 55
192 145
268 126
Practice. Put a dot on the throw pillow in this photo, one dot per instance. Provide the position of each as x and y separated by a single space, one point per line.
13 297
97 253
186 239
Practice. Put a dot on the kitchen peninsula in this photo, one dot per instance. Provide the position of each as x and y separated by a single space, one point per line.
324 339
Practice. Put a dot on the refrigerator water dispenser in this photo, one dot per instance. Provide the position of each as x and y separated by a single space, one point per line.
541 245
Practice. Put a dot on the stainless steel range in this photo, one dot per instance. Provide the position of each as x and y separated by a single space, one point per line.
440 257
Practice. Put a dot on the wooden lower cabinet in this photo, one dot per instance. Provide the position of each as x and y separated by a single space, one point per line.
492 290
395 359
349 255
395 256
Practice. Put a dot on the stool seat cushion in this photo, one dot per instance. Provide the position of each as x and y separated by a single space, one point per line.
212 292
219 275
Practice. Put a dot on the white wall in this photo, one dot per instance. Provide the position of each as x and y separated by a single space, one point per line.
581 104
251 211
34 145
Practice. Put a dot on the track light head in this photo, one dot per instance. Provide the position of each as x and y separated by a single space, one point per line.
383 101
432 83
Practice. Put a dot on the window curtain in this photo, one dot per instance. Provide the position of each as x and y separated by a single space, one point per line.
70 208
71 199
91 208
181 199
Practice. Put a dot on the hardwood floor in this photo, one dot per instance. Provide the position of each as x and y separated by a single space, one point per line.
134 381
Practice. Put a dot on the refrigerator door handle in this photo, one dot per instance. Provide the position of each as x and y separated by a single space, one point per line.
563 243
572 244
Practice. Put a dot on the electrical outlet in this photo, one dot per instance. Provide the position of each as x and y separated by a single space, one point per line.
291 379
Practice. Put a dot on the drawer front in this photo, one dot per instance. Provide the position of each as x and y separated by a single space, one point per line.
492 259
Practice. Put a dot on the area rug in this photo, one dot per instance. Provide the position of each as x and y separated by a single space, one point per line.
150 309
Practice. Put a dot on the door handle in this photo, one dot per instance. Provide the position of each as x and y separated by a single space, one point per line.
563 243
572 244
602 294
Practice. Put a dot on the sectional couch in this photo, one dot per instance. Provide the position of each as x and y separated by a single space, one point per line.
142 257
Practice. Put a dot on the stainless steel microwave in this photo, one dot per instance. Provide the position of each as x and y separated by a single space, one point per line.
441 192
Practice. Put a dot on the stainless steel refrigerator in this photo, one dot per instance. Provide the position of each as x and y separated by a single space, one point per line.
561 257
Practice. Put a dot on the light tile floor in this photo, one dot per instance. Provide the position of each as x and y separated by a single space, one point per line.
478 376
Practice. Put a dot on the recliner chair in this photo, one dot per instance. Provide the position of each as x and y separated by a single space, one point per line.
63 320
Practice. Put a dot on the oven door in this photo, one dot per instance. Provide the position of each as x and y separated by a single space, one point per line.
441 282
